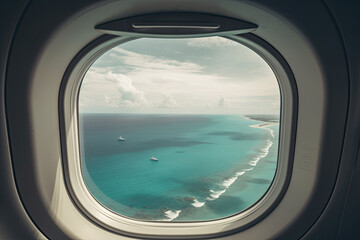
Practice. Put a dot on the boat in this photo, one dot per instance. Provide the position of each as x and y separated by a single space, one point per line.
154 159
121 139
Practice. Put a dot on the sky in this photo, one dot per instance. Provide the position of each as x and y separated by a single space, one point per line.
211 75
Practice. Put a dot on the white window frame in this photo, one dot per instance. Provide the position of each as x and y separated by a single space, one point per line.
111 220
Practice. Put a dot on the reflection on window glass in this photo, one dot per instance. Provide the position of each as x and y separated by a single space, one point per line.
179 129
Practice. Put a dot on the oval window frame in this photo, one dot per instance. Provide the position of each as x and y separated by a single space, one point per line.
68 102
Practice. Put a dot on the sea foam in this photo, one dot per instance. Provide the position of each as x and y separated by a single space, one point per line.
263 153
215 194
240 173
230 181
271 132
197 204
171 215
227 183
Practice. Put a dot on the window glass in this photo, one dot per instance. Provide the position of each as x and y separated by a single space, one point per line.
179 129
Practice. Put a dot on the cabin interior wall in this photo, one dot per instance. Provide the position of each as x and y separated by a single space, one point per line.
343 208
14 221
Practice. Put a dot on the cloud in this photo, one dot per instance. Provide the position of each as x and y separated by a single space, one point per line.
101 88
167 102
110 102
223 103
164 82
107 100
143 61
150 70
85 102
211 42
129 95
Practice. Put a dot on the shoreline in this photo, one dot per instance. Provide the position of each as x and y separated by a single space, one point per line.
266 121
263 118
266 126
263 125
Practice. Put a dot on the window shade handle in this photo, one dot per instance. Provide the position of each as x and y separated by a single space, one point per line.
176 25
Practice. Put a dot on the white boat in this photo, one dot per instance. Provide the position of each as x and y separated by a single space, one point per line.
154 159
121 139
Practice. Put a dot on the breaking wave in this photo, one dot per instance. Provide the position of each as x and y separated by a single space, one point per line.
215 194
171 215
197 204
228 182
263 153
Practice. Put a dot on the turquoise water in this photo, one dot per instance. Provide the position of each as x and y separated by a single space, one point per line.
210 166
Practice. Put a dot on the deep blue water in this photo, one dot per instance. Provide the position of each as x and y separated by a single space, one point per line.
207 166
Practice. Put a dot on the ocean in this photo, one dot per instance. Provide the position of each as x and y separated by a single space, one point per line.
210 166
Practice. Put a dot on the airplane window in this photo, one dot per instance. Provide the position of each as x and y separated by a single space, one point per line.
179 129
